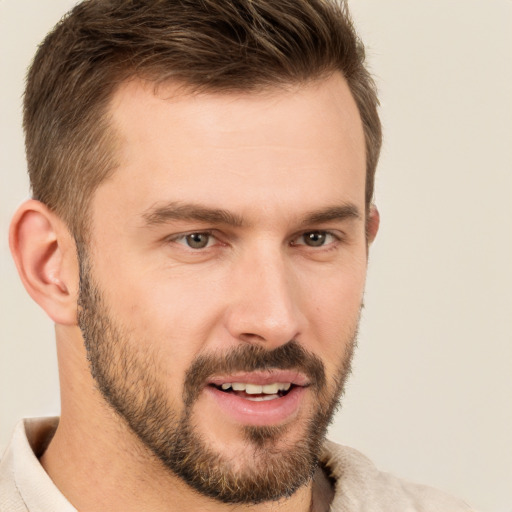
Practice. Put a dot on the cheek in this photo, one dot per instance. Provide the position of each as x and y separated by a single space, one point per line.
337 293
171 316
334 311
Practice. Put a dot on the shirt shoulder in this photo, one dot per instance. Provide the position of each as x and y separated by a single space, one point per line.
10 498
24 484
360 486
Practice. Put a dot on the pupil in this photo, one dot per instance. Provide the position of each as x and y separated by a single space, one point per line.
315 238
197 240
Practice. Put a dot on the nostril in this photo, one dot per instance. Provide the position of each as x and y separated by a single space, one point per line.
251 337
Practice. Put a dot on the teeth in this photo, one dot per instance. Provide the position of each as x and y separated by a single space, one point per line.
270 389
255 389
264 398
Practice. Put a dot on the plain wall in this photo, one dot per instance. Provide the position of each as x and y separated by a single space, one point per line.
430 398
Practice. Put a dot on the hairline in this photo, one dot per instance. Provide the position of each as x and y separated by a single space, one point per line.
110 136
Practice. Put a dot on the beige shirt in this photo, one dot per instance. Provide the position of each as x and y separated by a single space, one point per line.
359 486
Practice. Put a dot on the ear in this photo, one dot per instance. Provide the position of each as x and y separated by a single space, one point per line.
372 224
45 256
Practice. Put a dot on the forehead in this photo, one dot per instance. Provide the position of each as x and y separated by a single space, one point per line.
279 147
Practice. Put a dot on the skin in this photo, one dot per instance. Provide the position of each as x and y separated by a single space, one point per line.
271 160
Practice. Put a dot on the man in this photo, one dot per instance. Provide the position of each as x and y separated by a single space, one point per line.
202 177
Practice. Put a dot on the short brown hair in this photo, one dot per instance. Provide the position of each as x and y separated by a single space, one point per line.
211 45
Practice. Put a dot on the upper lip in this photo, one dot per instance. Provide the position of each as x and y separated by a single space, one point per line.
262 377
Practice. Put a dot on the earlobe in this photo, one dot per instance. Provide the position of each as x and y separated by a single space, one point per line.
44 253
373 223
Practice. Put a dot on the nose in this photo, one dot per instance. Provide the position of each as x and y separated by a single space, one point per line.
265 301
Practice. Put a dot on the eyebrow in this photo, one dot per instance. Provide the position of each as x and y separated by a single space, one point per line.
189 211
332 213
173 211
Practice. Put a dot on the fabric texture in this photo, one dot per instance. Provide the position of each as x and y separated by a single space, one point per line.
24 484
359 486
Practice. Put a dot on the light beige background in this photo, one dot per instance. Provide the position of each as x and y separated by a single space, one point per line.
431 394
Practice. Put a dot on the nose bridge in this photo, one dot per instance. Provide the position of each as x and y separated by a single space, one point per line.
265 305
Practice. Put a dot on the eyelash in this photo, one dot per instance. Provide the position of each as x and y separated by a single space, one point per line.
183 237
326 233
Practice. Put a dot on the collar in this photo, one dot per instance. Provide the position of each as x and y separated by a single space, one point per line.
21 468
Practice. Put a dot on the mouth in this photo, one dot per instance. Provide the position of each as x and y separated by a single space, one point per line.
259 398
256 392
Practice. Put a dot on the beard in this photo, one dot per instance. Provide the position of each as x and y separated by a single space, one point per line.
128 379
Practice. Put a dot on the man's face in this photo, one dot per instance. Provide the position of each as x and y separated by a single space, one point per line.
223 278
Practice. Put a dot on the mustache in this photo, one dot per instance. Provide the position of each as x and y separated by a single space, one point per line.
247 358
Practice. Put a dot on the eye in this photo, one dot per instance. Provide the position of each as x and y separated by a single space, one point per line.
315 238
199 240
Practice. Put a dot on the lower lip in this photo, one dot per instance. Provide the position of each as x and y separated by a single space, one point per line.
268 412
